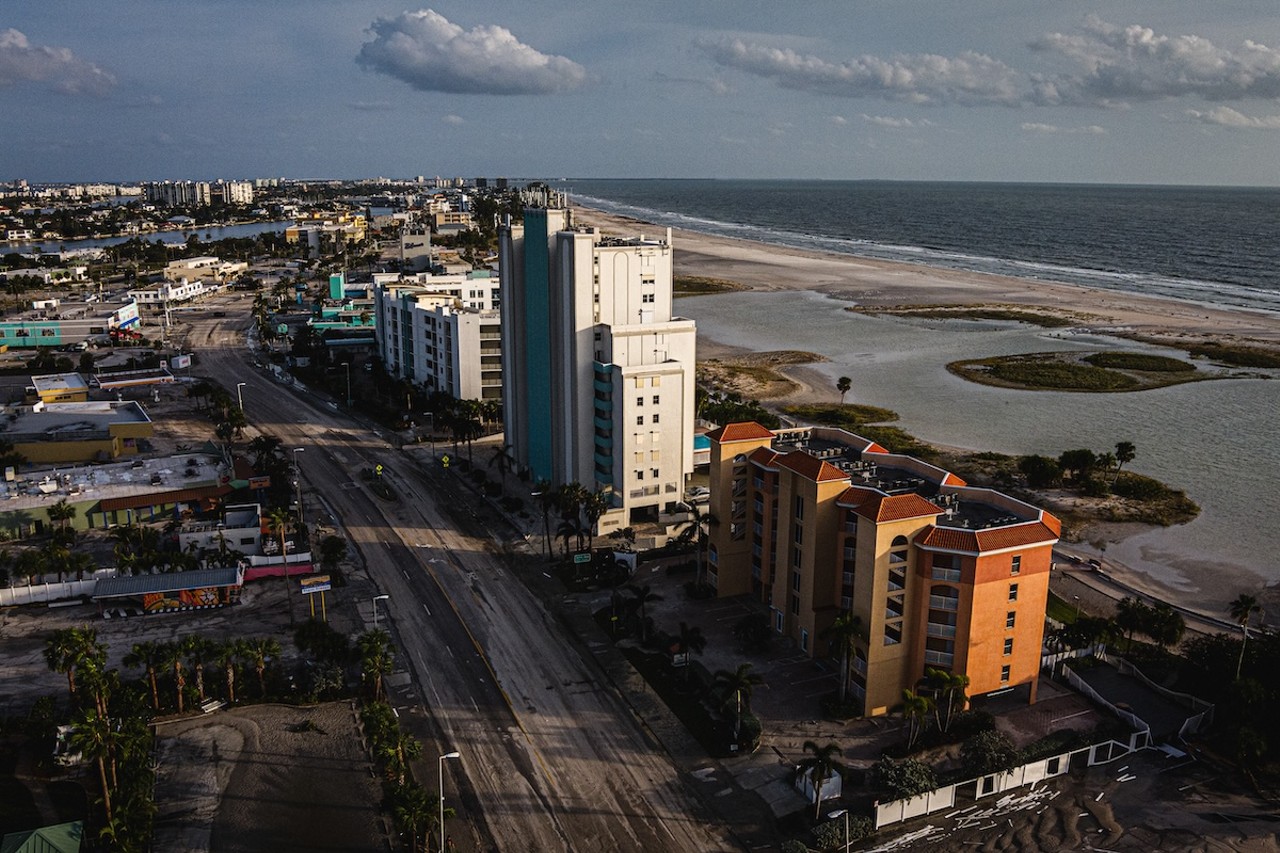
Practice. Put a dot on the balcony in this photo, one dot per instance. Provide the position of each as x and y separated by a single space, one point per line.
936 629
939 658
949 575
942 602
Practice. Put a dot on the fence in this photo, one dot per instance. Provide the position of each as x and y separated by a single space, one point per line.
1082 686
995 783
1204 710
44 592
1050 661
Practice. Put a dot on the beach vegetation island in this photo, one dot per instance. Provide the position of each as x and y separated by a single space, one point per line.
700 285
1095 372
1001 313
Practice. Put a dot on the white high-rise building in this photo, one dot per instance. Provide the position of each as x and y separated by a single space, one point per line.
598 375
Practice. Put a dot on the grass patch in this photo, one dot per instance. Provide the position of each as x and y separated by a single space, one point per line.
1059 610
697 285
1016 315
1139 361
848 416
1150 501
1236 355
1042 372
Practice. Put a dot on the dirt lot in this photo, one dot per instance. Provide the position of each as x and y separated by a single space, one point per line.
266 777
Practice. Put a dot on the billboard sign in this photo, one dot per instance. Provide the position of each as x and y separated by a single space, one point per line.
181 362
126 315
315 583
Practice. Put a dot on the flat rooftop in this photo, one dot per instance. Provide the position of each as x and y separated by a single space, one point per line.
86 482
65 420
892 474
57 382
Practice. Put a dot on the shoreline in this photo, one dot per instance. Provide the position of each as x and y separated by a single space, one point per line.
849 280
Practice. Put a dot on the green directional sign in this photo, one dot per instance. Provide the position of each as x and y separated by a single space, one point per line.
582 558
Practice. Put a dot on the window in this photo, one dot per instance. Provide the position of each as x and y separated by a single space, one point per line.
799 508
640 475
655 399
647 298
1017 565
654 472
639 420
777 621
804 640
1008 646
1004 674
795 581
1010 618
655 419
795 605
640 402
1013 592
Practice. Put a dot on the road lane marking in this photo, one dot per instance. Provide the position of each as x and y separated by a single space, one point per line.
426 608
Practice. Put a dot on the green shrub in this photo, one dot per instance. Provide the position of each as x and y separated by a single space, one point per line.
1139 361
1237 356
1060 376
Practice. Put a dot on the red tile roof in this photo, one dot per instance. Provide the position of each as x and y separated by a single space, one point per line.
764 456
811 467
881 507
991 539
749 431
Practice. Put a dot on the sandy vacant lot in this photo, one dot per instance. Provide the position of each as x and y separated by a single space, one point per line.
266 777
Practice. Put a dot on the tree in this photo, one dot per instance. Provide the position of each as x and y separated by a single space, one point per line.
990 751
149 656
948 694
821 765
594 505
198 651
640 596
1132 617
173 655
1125 453
227 655
93 736
1241 609
915 711
735 688
61 512
415 812
278 522
333 550
695 530
1165 626
903 779
843 634
72 649
258 650
1078 464
376 659
843 384
546 496
690 641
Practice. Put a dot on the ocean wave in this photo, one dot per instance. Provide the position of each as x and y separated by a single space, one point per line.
1213 293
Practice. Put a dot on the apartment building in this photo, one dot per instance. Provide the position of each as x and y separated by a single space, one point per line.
327 235
442 332
598 382
816 522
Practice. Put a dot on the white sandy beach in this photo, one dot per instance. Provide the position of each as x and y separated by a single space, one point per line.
761 269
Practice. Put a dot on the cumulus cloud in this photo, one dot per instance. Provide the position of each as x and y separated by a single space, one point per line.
893 121
1038 127
431 54
1227 117
372 106
58 67
840 120
1122 64
453 119
969 78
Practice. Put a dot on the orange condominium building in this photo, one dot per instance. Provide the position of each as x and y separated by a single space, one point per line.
817 522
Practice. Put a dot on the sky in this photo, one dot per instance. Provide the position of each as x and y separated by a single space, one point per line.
1113 91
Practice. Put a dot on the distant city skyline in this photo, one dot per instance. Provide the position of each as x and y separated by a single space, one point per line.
1133 91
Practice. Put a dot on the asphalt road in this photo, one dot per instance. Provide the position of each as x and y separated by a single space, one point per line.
551 757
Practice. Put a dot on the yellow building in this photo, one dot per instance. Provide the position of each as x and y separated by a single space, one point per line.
59 388
58 433
818 522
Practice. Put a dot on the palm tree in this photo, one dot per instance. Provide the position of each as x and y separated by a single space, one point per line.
915 710
147 654
640 596
738 685
258 650
843 384
1241 610
690 641
198 649
594 505
278 522
93 735
61 512
227 655
1125 453
546 496
843 634
415 811
948 691
695 530
376 659
70 649
1132 616
173 655
822 765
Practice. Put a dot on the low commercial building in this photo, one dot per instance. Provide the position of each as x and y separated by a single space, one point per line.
71 326
60 433
239 530
818 523
59 388
202 589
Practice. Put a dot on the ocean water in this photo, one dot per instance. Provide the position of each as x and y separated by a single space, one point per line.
1213 439
1218 245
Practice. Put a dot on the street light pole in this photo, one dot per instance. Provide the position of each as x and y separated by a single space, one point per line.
376 599
441 782
240 394
297 479
845 813
347 366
